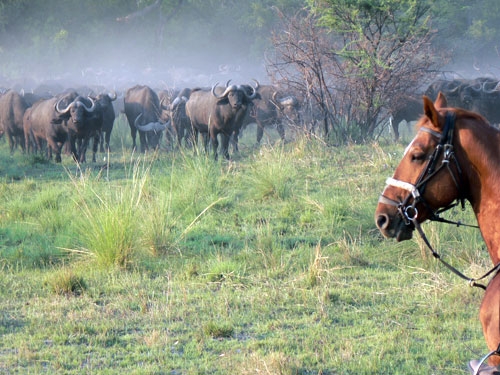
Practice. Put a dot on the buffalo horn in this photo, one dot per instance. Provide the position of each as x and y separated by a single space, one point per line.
494 89
289 100
59 110
251 96
151 126
112 95
91 108
226 91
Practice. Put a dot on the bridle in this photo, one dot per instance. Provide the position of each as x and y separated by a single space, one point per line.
407 207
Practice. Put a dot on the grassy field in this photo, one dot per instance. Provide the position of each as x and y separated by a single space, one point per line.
171 263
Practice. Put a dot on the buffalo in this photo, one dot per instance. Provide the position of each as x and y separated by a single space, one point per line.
181 125
450 88
272 109
67 117
84 121
105 101
407 108
12 108
42 123
219 111
480 95
144 114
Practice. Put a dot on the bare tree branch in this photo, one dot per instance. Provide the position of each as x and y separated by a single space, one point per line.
140 12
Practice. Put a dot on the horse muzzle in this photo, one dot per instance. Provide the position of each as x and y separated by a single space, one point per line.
394 227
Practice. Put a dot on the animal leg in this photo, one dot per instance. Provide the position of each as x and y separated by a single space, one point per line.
95 145
281 131
489 314
225 145
395 129
53 146
215 143
133 134
144 142
260 132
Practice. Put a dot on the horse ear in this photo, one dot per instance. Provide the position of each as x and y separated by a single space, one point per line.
430 111
441 101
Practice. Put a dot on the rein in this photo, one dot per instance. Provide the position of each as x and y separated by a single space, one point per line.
472 281
409 213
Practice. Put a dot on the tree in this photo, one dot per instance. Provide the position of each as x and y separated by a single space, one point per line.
362 55
468 30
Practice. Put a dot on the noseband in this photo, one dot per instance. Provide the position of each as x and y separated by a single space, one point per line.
407 208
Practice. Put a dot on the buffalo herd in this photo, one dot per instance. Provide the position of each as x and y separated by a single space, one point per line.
481 95
69 120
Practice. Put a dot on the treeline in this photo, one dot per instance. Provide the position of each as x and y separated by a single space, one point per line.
54 35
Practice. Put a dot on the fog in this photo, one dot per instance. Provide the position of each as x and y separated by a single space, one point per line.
117 44
126 48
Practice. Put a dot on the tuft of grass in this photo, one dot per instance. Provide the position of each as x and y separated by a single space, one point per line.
66 282
222 271
271 175
317 268
276 363
218 330
111 220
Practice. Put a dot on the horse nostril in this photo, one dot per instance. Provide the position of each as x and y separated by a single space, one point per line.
382 221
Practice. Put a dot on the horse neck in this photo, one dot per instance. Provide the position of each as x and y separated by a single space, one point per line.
481 169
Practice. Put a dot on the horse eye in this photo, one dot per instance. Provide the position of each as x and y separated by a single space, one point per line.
418 157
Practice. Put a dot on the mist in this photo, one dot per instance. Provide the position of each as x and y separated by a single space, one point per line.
116 44
126 47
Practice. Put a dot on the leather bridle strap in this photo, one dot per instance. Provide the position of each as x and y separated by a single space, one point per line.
435 254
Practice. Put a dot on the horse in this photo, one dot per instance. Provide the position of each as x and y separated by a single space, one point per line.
454 157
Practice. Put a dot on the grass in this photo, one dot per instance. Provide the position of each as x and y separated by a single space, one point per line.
171 263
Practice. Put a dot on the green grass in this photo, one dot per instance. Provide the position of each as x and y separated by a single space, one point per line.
171 263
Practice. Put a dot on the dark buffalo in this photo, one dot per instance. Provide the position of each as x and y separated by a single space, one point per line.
12 108
272 109
218 111
42 123
84 121
451 89
105 101
166 97
480 95
65 118
144 114
407 108
181 125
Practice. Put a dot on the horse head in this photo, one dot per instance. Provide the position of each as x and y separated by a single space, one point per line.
427 177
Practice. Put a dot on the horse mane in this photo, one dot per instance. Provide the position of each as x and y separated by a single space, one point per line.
469 115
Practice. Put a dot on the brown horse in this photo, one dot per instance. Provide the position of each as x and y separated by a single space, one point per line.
455 156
